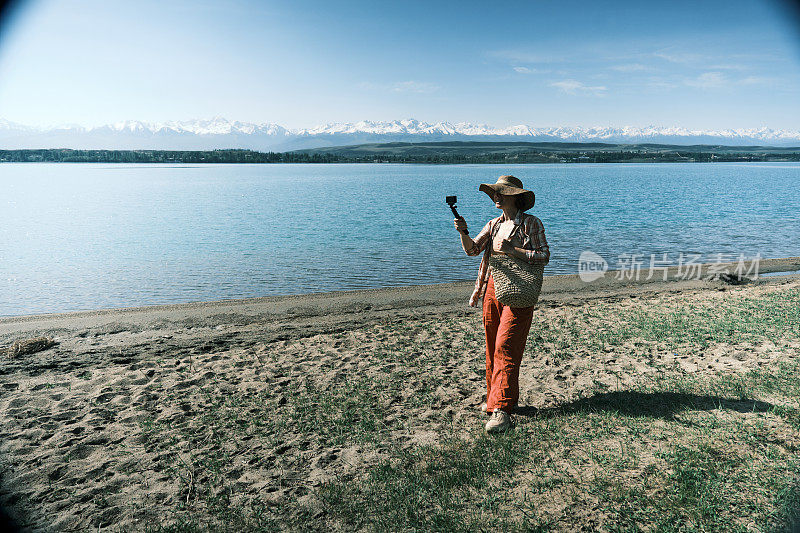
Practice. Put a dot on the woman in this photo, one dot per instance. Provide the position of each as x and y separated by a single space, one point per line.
521 235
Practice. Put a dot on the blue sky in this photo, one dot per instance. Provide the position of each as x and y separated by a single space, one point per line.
297 63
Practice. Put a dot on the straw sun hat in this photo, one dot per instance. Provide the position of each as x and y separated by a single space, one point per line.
509 186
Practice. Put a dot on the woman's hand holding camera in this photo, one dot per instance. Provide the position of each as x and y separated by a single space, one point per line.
461 225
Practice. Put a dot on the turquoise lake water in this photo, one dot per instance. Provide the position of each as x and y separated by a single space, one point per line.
88 236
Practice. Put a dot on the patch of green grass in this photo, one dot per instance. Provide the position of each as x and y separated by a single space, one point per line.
698 487
345 413
433 488
789 497
736 319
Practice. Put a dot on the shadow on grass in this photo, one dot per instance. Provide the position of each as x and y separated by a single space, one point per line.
792 505
647 404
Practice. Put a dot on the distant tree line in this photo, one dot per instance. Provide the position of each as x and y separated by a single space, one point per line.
425 157
161 156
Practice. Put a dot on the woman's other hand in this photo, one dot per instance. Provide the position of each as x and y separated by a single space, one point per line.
461 225
504 247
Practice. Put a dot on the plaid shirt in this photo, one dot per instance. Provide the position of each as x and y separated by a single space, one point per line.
528 234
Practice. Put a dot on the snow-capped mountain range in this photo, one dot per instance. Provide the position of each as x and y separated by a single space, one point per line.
222 133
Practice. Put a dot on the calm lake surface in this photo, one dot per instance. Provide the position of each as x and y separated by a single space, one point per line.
88 236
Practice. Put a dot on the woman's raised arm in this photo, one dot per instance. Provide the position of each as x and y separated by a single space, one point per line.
470 246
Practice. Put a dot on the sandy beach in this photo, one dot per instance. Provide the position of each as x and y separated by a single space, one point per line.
281 412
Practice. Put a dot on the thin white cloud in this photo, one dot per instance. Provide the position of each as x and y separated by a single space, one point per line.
575 87
524 56
631 67
412 86
756 80
528 70
708 80
661 83
727 66
678 57
756 57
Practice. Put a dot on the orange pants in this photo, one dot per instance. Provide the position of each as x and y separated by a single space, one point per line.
506 333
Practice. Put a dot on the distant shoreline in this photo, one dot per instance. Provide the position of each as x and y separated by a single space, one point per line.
441 153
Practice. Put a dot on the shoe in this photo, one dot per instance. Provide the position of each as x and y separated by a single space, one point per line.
499 422
483 408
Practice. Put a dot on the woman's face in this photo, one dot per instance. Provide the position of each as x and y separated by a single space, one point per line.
501 201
